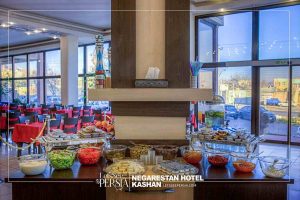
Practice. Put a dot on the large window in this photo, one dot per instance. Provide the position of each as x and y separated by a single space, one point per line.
279 33
35 67
53 63
235 37
53 91
205 44
6 67
234 85
20 90
295 121
80 60
265 45
36 91
35 78
20 66
23 78
80 91
274 86
6 91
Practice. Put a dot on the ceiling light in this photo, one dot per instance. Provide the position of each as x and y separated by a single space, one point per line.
44 29
37 31
222 9
8 24
5 25
28 32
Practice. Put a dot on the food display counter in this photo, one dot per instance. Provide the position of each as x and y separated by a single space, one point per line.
80 182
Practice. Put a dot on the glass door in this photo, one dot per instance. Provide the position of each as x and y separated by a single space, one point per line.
295 100
274 96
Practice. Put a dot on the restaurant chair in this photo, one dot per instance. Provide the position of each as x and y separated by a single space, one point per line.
87 121
22 119
13 106
76 112
70 125
12 120
34 114
55 124
41 118
87 110
58 106
26 113
45 109
98 114
61 116
52 111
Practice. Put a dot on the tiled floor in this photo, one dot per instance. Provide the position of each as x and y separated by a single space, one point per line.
268 149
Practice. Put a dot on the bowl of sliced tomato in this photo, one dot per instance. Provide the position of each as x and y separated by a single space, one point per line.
217 158
244 162
89 155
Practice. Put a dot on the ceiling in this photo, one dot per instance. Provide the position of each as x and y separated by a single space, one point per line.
82 18
18 38
95 13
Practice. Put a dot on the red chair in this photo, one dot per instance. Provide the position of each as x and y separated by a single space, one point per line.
12 120
87 110
98 114
70 125
76 112
45 109
13 106
55 124
87 121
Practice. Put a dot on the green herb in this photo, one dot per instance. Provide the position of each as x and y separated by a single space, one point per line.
61 159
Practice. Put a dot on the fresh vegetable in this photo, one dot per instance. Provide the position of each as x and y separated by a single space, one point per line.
217 160
89 156
61 159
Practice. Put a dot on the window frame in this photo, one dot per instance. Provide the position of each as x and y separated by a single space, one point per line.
255 63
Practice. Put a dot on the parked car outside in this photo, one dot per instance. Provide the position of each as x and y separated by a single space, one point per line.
265 115
231 112
53 100
273 102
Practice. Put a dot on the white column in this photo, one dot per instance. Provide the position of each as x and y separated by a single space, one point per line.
69 70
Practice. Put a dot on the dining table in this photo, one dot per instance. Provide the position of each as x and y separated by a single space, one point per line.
3 124
25 133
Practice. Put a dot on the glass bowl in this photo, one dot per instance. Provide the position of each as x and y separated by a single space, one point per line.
139 149
191 155
115 152
169 152
274 167
34 164
243 162
89 155
61 159
217 158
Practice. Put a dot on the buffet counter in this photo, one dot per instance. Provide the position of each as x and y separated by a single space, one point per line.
79 182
